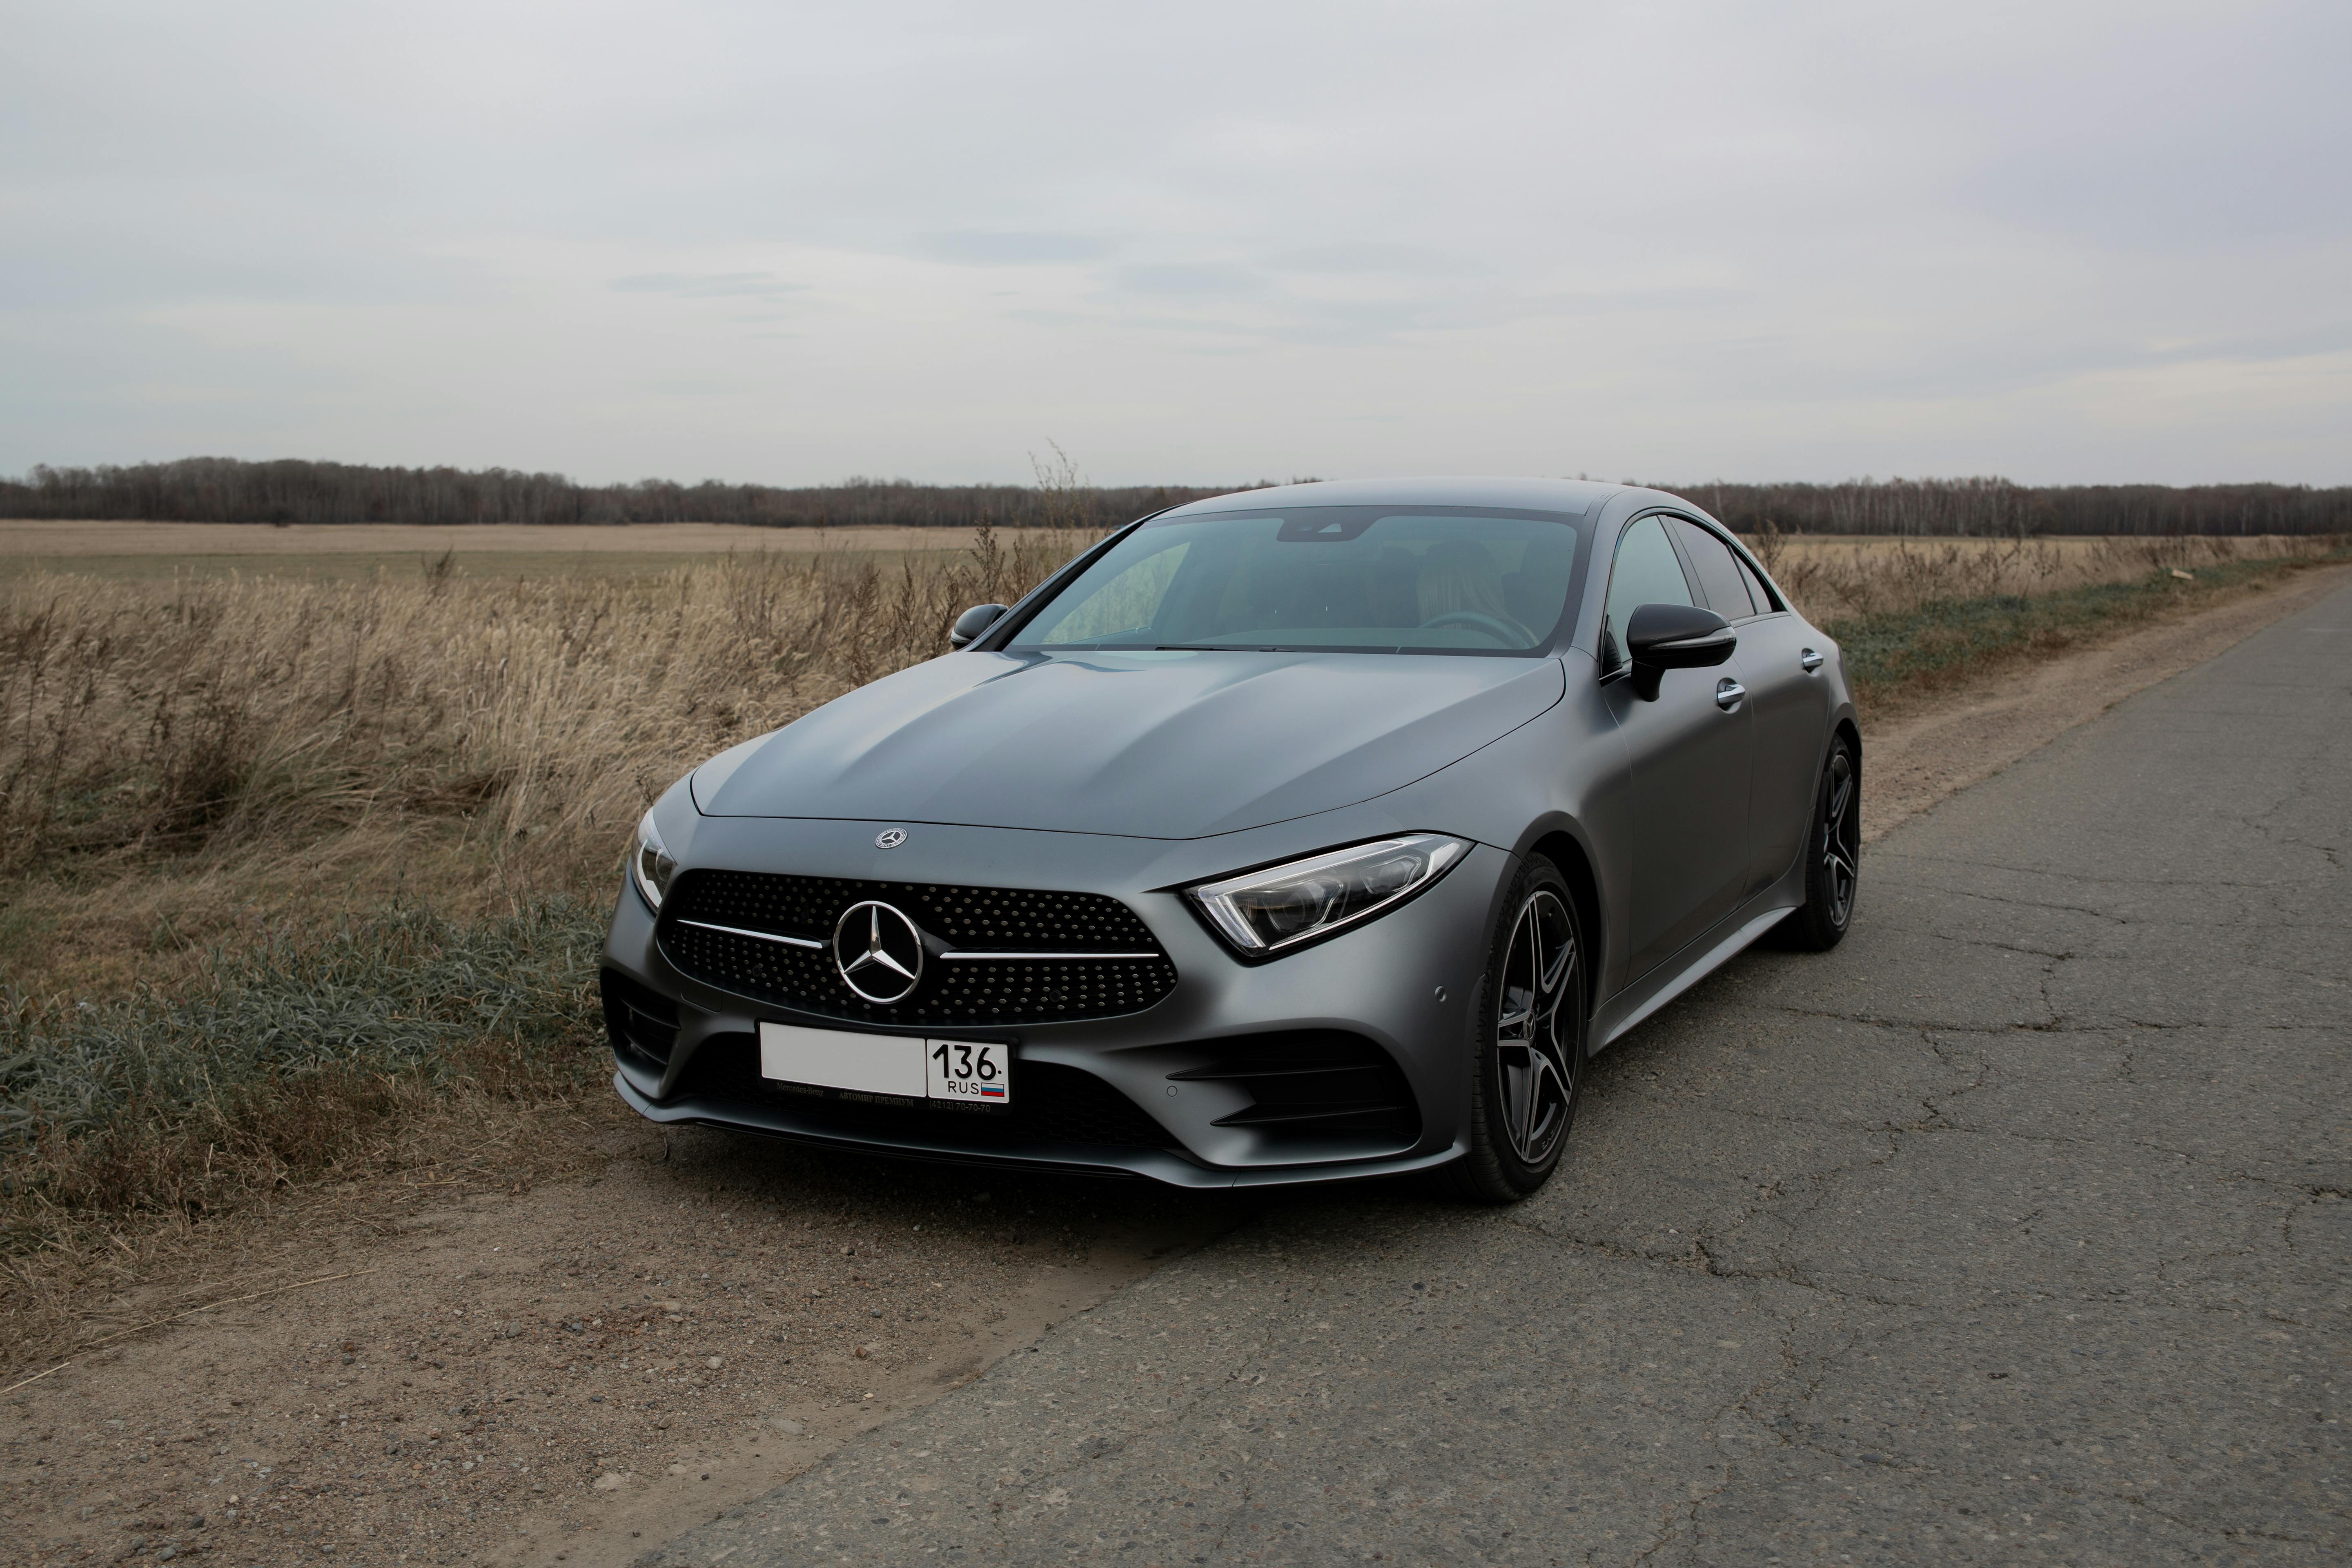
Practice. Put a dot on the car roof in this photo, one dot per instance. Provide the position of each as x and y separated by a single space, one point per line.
1525 495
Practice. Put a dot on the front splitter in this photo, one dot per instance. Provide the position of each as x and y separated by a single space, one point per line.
1153 1165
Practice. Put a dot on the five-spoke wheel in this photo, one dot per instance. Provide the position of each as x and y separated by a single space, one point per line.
1538 1079
1530 1061
1832 855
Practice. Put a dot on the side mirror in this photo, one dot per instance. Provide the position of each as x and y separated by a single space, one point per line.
972 623
1660 637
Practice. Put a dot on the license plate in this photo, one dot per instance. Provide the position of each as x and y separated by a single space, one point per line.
970 1072
976 1072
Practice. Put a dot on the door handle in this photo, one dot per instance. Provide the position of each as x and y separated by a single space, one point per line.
1728 693
1811 660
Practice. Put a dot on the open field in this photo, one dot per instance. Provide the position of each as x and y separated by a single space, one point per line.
359 551
1830 575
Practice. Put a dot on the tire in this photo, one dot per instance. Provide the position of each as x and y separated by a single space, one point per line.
1534 1011
1832 856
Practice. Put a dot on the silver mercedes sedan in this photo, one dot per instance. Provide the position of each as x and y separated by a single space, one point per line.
1298 834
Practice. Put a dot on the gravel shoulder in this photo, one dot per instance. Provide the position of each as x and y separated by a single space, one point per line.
586 1368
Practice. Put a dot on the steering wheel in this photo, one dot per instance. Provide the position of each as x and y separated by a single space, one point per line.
1502 631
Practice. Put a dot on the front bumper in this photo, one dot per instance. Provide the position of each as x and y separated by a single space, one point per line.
1405 983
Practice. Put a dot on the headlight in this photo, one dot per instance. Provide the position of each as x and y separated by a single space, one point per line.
652 865
1263 912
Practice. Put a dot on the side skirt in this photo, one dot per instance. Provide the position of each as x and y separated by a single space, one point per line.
1628 1009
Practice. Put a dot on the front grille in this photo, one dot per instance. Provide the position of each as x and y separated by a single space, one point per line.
954 993
1052 1104
1313 1083
637 1019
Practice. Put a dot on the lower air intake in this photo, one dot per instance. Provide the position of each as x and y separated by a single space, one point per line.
1314 1084
638 1020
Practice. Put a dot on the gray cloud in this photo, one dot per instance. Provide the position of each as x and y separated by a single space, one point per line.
1373 257
709 285
1207 281
994 247
2067 239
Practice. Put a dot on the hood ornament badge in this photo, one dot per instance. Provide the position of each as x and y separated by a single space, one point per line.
889 838
878 951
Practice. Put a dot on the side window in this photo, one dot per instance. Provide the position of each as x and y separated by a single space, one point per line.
1756 589
1647 572
1718 572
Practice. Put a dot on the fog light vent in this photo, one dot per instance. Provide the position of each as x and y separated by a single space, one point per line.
639 1020
1313 1083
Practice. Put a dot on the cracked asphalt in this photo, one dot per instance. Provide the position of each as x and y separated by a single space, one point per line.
2015 1230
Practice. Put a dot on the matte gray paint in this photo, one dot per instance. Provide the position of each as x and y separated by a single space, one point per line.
1540 753
1157 745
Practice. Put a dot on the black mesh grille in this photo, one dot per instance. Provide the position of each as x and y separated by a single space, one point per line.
1052 1104
637 1019
954 991
1313 1083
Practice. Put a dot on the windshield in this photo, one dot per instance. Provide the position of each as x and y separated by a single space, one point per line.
1357 579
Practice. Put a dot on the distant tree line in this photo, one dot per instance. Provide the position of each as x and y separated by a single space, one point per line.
226 489
1989 507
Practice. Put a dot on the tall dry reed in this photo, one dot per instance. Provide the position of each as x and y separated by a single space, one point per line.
138 719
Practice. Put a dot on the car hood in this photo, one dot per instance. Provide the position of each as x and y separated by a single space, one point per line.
1153 745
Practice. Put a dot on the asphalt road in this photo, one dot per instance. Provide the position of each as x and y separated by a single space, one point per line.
2016 1230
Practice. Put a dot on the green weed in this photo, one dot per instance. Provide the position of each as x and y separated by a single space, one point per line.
281 1056
1891 650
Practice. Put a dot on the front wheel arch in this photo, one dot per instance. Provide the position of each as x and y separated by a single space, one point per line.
1567 853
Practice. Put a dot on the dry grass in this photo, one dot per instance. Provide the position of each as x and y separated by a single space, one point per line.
289 865
516 727
1833 579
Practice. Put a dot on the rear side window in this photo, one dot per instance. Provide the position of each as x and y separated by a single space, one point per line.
1755 588
1719 573
1647 572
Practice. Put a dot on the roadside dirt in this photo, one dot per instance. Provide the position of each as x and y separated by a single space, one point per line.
571 1371
566 1375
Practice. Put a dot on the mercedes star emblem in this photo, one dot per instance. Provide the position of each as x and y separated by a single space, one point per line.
878 951
889 838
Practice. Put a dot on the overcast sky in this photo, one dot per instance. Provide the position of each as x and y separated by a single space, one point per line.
2057 239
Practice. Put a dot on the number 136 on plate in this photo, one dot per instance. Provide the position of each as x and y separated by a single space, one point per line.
971 1070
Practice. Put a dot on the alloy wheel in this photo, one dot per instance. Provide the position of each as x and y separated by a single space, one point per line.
1841 837
1538 1066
